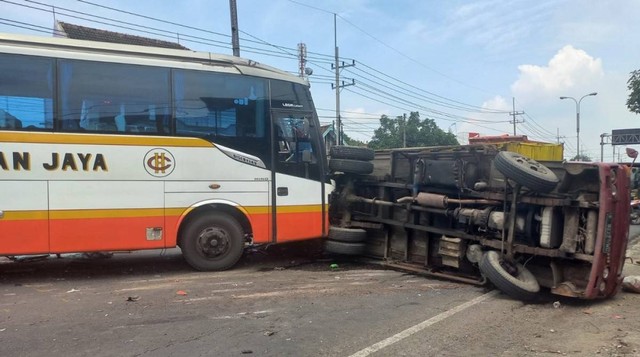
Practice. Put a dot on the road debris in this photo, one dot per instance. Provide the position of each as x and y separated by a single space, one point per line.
181 293
28 258
133 298
631 284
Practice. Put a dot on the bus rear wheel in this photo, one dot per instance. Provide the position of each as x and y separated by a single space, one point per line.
212 241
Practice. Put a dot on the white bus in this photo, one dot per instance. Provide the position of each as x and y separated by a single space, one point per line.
109 147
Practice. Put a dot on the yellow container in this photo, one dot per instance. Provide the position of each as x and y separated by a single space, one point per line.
536 150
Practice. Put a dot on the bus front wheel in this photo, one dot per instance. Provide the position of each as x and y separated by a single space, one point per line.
213 241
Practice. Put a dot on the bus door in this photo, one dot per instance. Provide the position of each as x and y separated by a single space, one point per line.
297 183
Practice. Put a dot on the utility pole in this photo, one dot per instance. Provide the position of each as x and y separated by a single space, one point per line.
302 59
337 85
404 130
558 137
602 142
514 113
235 41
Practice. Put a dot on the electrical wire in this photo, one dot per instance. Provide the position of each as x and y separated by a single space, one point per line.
284 52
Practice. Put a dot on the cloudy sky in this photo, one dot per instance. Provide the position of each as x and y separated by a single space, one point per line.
461 63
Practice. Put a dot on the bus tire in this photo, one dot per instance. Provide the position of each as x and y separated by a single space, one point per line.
351 166
526 171
521 285
351 152
349 235
343 248
213 241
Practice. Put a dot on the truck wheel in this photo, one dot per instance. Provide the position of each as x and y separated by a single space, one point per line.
526 171
512 279
212 241
350 235
344 248
351 152
351 166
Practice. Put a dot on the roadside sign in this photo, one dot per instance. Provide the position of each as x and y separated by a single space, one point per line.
625 136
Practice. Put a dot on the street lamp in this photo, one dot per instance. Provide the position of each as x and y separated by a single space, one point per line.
578 119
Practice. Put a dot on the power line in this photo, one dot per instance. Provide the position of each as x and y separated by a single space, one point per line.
481 109
401 53
151 18
448 116
283 52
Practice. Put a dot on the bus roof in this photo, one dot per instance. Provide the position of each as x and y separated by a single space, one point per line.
112 52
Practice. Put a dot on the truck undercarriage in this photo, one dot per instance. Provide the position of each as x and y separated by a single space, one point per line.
472 213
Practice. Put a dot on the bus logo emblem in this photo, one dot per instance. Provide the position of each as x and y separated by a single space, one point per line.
159 162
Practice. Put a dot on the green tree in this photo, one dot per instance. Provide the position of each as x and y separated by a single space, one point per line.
633 84
352 142
582 157
409 132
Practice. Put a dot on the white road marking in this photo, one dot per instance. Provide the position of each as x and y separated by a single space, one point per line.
421 326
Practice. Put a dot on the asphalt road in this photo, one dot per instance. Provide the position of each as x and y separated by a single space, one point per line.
286 304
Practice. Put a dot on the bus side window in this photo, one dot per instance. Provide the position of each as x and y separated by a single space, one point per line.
114 98
88 116
26 94
8 121
120 120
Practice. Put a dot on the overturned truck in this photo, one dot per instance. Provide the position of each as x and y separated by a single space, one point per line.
475 213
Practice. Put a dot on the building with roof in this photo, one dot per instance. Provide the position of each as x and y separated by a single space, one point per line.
77 32
329 136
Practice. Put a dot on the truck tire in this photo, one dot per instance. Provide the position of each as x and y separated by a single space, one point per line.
521 286
351 166
343 248
351 152
212 241
349 235
526 171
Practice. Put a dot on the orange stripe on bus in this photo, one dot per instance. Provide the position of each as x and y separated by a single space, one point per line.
28 232
100 139
299 226
103 234
24 236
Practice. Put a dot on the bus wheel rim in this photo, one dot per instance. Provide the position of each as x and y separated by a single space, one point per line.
213 242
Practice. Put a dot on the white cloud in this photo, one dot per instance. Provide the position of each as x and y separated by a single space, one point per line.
571 72
496 103
569 68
